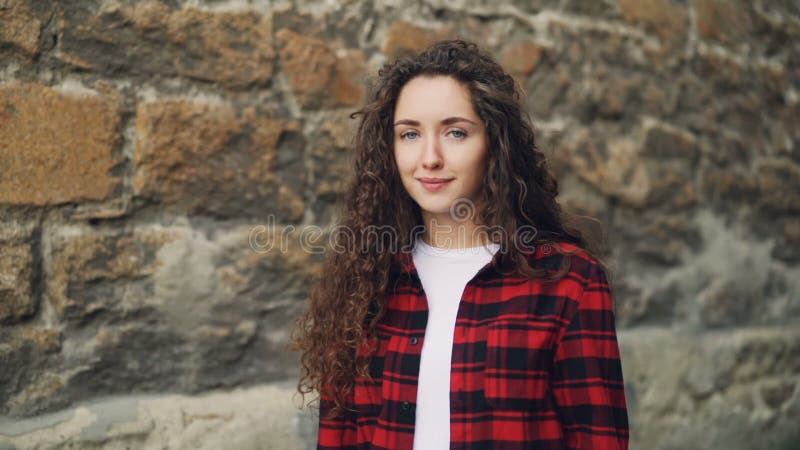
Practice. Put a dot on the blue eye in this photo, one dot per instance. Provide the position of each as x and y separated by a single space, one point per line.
409 135
458 134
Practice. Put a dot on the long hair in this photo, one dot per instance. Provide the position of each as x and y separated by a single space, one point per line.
518 192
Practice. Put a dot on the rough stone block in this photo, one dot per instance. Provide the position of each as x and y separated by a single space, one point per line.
48 154
726 21
93 274
521 58
320 74
403 37
211 159
668 19
619 167
330 163
27 382
21 27
148 38
17 269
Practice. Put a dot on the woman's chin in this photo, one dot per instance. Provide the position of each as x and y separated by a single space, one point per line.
440 208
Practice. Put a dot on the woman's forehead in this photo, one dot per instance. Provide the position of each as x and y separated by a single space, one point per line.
434 98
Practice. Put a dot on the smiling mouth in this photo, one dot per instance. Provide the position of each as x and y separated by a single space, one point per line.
434 184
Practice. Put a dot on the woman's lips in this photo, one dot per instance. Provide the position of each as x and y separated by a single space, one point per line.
434 185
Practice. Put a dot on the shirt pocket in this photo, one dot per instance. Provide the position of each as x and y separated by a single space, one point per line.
518 358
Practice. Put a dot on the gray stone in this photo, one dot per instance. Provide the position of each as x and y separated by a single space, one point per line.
151 38
779 182
263 417
155 310
18 263
707 390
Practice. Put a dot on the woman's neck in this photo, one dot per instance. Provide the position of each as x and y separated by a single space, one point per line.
444 231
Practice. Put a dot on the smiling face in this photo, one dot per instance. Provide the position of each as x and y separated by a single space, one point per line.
440 144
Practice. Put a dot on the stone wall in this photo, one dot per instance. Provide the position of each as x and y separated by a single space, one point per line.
152 151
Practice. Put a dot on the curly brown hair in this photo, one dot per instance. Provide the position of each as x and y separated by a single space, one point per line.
518 190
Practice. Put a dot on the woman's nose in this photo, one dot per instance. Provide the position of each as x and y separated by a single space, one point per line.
432 154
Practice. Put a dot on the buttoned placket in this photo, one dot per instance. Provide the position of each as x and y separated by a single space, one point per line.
408 408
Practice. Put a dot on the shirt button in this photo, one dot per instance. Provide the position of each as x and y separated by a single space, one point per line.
405 406
414 341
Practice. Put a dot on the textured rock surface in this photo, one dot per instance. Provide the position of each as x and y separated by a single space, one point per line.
17 270
255 418
166 166
22 25
157 309
48 153
149 38
702 390
207 159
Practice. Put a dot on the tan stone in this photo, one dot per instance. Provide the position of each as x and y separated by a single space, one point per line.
403 37
348 84
319 73
20 27
723 20
521 58
667 18
209 157
56 147
308 62
149 15
75 60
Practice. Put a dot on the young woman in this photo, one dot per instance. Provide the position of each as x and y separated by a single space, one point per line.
459 309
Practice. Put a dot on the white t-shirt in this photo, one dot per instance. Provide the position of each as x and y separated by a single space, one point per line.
444 273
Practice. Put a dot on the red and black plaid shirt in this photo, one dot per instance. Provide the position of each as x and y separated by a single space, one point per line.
534 365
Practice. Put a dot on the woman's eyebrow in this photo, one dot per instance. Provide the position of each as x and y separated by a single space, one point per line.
447 121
